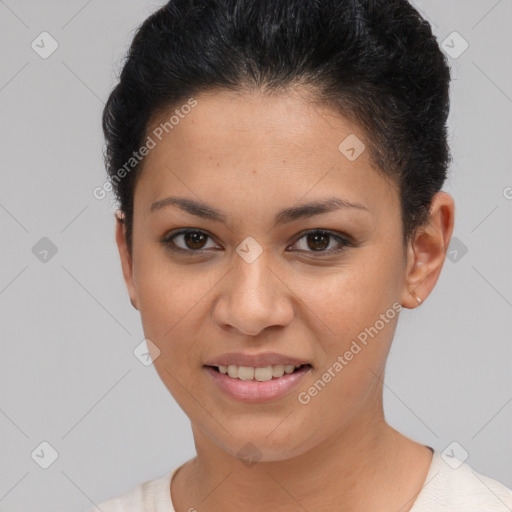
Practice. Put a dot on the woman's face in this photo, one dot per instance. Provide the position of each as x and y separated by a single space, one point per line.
257 281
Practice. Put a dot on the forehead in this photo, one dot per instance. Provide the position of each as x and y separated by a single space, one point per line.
284 121
280 146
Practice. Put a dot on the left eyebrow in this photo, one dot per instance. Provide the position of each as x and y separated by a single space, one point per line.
206 211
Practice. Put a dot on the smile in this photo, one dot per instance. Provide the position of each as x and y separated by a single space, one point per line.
257 384
261 374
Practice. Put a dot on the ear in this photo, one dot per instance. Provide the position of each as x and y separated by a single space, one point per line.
126 259
426 253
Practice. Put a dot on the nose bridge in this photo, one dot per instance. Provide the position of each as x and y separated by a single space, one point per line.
253 279
253 298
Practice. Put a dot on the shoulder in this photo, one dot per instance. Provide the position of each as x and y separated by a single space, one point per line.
454 486
150 495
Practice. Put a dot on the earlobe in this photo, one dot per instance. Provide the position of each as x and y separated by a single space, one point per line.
126 258
414 277
427 251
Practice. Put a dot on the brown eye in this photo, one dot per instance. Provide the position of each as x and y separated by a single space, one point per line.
187 240
194 239
318 240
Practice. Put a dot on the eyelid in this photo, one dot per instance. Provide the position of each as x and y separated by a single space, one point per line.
343 239
167 240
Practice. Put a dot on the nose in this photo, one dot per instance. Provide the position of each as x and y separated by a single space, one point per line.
253 297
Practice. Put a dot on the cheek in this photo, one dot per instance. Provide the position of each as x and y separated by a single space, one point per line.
353 327
173 302
162 289
348 299
353 314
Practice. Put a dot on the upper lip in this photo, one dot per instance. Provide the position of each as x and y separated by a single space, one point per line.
254 360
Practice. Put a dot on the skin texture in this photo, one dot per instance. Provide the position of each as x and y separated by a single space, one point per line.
251 155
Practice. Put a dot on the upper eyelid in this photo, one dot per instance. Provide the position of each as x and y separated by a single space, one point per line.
345 239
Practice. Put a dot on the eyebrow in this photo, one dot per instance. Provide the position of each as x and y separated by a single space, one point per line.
205 211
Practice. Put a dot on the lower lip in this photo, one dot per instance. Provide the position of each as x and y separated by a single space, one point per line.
256 391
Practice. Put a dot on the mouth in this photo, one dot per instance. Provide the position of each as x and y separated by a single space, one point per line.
261 384
260 374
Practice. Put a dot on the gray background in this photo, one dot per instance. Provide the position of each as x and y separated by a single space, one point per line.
68 375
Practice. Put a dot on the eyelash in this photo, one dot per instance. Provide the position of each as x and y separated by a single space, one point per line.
167 241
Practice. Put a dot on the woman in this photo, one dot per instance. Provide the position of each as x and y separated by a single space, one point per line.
278 166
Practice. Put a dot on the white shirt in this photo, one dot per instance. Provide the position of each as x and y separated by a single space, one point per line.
445 490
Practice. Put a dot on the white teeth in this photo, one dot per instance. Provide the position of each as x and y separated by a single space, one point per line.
261 374
245 373
277 370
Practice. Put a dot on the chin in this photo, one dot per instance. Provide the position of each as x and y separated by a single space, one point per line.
268 444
